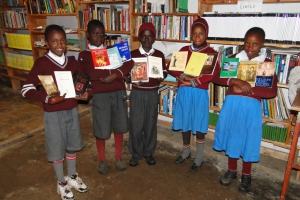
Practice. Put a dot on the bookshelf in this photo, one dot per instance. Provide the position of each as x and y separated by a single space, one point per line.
115 15
15 50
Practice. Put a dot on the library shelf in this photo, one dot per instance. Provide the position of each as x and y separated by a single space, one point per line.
135 38
236 1
111 32
42 32
102 2
166 14
46 15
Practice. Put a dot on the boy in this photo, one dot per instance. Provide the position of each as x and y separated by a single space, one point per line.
109 105
144 102
63 138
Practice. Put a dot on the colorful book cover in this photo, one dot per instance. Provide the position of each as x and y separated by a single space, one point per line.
81 82
210 63
247 71
229 68
182 6
139 72
124 50
114 58
100 58
265 74
195 64
178 61
155 69
49 85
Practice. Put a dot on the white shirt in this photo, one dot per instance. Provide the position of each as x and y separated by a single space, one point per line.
60 60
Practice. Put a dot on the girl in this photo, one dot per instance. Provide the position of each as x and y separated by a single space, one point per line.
239 128
191 111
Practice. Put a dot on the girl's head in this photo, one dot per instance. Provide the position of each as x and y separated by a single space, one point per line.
147 34
199 32
95 33
254 39
56 40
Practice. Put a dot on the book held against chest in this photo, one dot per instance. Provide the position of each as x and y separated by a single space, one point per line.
210 63
124 50
100 58
195 64
178 61
247 71
265 74
81 82
155 69
65 84
229 68
139 72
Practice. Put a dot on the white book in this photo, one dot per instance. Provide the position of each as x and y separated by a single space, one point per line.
65 84
155 69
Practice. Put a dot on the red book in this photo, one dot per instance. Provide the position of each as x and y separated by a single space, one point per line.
100 58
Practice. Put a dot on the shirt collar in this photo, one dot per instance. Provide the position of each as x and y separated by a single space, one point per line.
243 56
94 47
142 51
60 60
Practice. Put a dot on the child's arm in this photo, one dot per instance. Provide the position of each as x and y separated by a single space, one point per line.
265 92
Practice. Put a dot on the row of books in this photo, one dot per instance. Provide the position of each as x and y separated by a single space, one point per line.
167 6
168 27
217 95
167 96
279 27
51 6
11 3
20 61
14 18
18 41
114 17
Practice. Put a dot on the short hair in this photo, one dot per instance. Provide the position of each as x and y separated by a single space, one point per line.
95 23
53 27
256 30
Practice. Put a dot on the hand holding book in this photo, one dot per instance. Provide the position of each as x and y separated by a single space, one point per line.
56 99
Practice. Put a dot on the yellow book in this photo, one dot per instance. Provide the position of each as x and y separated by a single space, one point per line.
195 64
247 71
49 85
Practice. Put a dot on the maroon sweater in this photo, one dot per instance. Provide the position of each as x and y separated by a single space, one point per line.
203 80
87 66
153 84
259 92
46 66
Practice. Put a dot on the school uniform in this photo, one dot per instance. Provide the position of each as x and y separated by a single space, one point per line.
144 101
239 127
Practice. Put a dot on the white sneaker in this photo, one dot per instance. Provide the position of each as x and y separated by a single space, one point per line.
76 183
65 192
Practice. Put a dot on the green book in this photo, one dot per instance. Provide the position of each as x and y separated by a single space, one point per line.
229 68
182 6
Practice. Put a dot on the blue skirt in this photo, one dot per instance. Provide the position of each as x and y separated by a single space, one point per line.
239 128
191 111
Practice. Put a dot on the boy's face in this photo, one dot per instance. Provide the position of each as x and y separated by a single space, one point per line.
146 39
57 42
198 35
96 36
252 44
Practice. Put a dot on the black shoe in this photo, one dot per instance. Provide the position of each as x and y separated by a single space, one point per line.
180 159
195 168
150 160
245 184
227 178
133 162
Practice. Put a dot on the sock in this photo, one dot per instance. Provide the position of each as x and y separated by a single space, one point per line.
186 138
246 171
118 145
232 164
71 162
101 150
199 152
59 170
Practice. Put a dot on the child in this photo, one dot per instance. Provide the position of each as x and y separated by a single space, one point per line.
109 106
61 119
191 111
239 128
144 102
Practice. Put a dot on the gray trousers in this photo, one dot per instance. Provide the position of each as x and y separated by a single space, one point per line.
143 122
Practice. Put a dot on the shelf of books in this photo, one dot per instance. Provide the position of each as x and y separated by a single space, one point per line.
115 15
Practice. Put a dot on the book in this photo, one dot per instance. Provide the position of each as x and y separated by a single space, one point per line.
247 71
229 68
114 58
49 85
124 50
81 82
195 64
210 63
182 6
100 58
65 84
139 71
155 69
265 74
178 61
